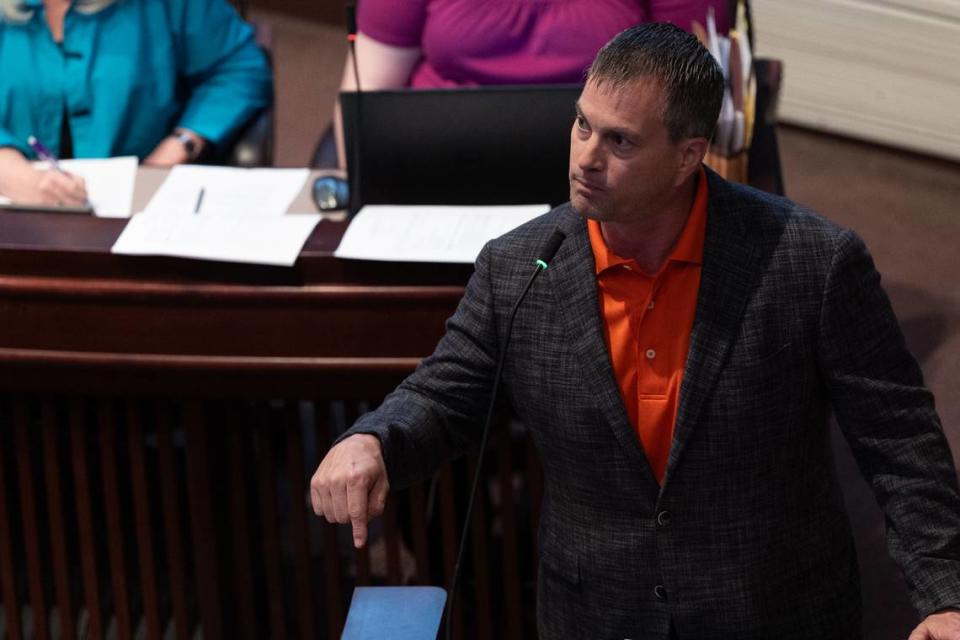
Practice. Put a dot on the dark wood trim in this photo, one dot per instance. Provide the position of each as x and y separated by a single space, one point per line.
240 525
106 425
175 556
481 555
56 508
418 525
200 502
510 554
270 535
297 476
332 567
8 582
450 542
81 484
144 528
28 509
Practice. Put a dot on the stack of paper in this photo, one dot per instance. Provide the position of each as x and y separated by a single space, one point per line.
263 240
735 125
222 213
109 181
422 233
228 191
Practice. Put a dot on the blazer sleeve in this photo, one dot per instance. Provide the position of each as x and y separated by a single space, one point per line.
437 413
888 417
226 74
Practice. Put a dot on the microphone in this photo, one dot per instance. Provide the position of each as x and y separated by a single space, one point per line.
352 39
332 192
353 172
546 255
351 21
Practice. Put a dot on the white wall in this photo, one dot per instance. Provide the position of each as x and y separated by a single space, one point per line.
887 71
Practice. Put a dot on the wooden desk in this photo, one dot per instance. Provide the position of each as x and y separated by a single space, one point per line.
161 418
66 300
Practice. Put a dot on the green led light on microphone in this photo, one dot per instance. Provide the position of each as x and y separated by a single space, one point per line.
541 264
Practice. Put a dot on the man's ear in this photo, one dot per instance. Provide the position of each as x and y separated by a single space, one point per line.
692 151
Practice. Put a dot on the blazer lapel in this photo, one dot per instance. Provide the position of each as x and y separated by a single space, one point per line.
575 288
729 274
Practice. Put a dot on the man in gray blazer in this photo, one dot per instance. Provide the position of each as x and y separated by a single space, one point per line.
745 535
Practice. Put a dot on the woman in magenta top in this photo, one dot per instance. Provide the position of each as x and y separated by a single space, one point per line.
446 43
451 43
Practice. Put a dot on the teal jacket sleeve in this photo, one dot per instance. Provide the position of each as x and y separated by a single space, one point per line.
225 72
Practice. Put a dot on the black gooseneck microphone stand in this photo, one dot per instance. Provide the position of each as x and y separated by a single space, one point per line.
546 255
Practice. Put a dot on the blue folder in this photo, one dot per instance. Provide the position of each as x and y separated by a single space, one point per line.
398 613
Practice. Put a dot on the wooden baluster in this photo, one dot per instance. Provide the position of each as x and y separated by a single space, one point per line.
8 583
141 507
361 557
171 523
111 496
56 509
391 535
266 483
299 493
201 521
535 483
236 430
481 557
511 556
332 568
81 484
418 525
448 528
31 532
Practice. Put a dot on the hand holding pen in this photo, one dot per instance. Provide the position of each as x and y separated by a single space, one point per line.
56 186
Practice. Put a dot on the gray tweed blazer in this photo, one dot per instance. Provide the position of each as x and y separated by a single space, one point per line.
748 536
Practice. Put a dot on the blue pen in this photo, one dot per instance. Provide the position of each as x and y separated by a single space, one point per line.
44 154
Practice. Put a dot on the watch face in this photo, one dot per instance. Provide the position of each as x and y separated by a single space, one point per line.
188 143
330 193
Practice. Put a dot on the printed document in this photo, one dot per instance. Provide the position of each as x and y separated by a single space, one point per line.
275 240
427 233
228 191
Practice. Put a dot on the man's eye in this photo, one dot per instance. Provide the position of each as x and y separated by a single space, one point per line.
619 141
582 124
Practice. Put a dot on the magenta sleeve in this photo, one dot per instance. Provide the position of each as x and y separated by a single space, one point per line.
398 23
683 12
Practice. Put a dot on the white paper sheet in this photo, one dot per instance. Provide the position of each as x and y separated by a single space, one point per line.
228 191
110 182
274 240
421 233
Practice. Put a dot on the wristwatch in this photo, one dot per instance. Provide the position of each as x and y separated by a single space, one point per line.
189 143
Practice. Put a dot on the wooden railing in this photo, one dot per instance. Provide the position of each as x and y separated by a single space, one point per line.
121 512
159 424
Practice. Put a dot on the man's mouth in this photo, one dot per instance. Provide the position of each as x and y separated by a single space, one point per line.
586 184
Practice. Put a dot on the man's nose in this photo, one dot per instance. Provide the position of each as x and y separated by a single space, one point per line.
589 154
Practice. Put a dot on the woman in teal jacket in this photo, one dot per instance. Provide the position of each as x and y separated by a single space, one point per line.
159 79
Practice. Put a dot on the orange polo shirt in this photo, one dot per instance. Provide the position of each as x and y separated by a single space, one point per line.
647 324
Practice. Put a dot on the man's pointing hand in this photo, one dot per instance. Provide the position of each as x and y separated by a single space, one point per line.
351 484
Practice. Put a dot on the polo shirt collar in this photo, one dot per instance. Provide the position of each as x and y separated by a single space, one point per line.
688 247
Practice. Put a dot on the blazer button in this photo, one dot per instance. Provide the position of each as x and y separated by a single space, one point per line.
663 518
660 591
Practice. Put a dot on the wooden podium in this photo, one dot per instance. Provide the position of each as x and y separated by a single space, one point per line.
161 419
